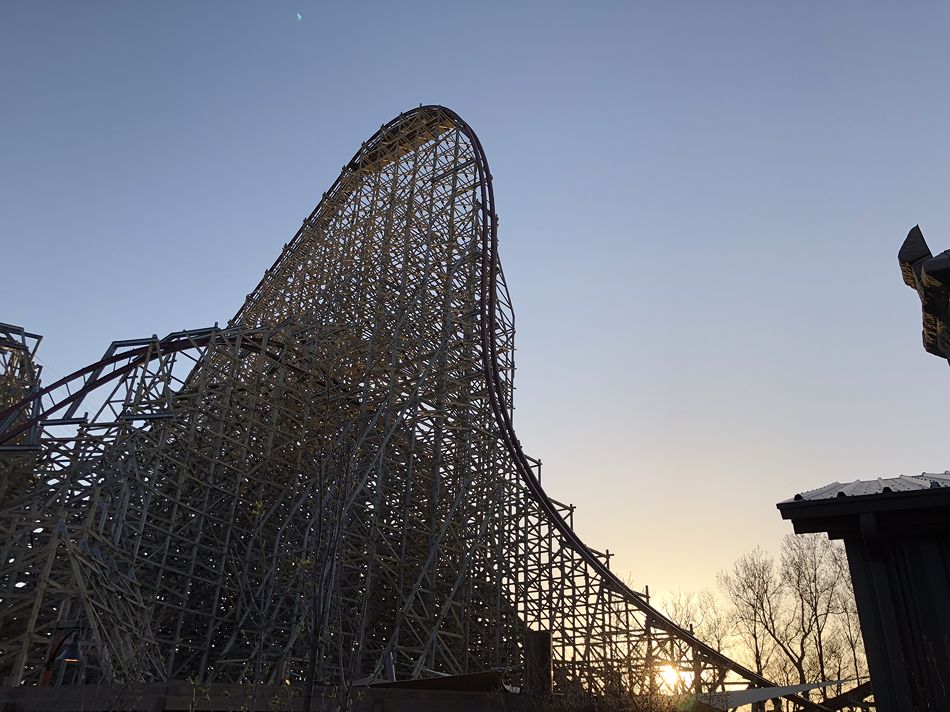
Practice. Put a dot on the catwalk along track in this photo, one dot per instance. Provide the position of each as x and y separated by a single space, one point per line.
329 488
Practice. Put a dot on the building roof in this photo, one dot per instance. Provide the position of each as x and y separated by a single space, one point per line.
882 485
901 505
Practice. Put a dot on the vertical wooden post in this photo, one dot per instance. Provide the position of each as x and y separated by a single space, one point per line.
539 657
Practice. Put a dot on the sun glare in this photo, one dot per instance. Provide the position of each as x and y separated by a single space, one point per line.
674 679
671 676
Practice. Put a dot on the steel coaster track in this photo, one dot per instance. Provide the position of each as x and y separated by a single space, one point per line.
142 351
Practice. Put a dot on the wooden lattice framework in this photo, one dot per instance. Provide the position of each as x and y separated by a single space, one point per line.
328 484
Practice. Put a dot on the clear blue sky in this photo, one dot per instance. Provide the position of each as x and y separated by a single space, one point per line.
701 205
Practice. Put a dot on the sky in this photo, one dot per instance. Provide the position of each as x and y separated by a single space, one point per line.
700 209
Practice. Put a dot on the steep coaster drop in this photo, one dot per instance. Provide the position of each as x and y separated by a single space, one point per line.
330 485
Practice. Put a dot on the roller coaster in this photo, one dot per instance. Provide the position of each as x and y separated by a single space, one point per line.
329 487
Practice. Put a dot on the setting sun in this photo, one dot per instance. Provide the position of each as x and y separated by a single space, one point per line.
671 676
675 679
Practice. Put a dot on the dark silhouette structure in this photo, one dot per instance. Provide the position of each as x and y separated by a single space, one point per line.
897 535
929 275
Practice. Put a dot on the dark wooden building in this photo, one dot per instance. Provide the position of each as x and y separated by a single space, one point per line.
897 535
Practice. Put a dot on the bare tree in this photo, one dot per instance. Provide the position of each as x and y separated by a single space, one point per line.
751 587
812 578
702 613
796 618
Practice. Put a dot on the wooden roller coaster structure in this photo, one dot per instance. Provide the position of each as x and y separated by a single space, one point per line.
328 488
